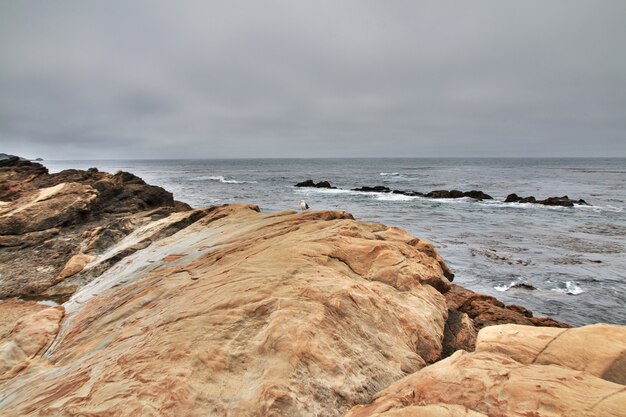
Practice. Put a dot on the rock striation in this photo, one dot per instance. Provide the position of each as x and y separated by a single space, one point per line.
243 313
51 225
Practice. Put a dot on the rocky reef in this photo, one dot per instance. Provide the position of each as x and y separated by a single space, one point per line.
227 311
478 195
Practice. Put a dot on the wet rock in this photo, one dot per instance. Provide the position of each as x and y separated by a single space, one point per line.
408 193
375 189
311 183
564 201
478 195
524 286
485 310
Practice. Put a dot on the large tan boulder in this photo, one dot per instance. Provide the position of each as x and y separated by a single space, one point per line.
243 314
598 349
502 378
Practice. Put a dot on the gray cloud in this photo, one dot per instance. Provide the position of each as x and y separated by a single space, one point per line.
159 79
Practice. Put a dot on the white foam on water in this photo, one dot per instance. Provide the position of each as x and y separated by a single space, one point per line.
570 287
220 178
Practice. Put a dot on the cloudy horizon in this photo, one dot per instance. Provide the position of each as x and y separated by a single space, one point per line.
193 79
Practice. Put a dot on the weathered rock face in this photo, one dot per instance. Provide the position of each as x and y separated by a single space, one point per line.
242 313
519 371
50 224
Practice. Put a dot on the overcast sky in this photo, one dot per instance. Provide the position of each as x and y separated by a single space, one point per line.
202 79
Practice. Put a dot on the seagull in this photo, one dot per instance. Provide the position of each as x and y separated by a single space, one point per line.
303 205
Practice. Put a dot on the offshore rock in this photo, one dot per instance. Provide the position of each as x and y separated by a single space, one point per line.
478 195
375 189
241 313
564 201
311 183
516 371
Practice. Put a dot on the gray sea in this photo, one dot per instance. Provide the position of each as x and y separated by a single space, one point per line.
575 257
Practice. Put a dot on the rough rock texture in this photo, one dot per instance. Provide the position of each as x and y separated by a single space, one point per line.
598 349
516 377
242 313
51 225
28 338
485 310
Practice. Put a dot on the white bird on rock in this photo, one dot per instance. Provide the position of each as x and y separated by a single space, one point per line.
303 205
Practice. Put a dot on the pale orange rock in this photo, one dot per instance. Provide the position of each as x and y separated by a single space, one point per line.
282 314
493 382
433 410
76 264
598 349
30 336
12 310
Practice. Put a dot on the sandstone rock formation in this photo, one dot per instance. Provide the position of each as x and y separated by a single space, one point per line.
242 313
518 371
51 225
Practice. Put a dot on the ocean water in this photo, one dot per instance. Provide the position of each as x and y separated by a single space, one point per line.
575 257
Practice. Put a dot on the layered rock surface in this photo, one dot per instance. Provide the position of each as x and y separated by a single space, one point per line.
52 225
242 313
518 371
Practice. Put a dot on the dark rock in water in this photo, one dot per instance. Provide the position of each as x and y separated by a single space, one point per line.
311 183
485 310
376 189
524 286
324 184
564 201
409 193
557 201
478 195
307 183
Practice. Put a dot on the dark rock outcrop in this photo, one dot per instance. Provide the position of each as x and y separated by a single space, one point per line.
564 201
311 183
375 189
485 310
478 195
49 221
